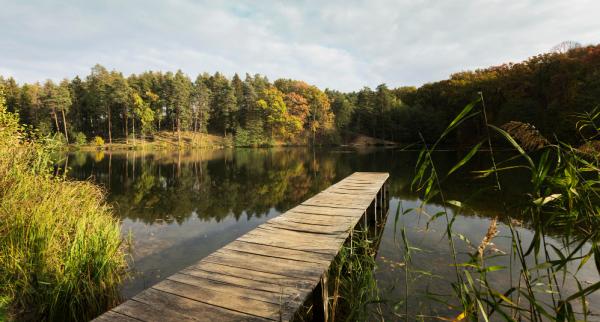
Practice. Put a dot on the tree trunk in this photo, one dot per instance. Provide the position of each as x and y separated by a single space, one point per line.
201 123
133 122
126 130
109 127
55 119
65 124
178 131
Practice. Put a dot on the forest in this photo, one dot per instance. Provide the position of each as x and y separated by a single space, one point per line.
546 91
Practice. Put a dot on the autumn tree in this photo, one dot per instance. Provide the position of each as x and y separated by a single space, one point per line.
142 112
320 118
279 122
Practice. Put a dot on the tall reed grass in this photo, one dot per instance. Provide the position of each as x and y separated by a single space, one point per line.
564 196
61 255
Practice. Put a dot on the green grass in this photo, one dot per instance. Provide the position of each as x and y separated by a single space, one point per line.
61 255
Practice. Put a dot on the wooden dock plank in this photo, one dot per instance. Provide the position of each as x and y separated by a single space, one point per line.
146 312
315 219
327 211
112 316
260 295
198 310
263 277
295 244
228 301
266 274
338 230
266 264
279 252
242 282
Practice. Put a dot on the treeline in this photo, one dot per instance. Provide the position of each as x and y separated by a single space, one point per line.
109 105
546 90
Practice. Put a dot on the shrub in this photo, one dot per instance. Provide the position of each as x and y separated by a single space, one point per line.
98 141
80 138
228 140
250 138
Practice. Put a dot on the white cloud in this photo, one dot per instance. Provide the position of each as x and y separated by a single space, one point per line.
336 44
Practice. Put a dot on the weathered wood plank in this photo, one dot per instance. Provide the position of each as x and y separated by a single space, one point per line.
260 295
329 211
240 272
112 316
292 243
243 282
286 233
266 264
224 300
197 310
309 228
279 252
150 313
317 219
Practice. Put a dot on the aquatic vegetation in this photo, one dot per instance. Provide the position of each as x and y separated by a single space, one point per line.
563 195
61 255
353 287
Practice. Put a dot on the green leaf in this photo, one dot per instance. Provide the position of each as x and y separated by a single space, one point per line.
434 217
460 117
483 313
466 158
494 268
596 256
588 290
514 144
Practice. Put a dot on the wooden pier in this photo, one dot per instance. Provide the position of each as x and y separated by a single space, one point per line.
269 273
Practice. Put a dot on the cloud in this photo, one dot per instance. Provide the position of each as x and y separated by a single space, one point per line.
337 44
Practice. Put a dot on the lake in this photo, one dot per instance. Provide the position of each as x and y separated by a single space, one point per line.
181 206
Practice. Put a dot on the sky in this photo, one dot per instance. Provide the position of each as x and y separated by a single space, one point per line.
343 45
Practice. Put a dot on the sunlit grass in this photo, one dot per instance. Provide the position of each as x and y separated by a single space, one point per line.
60 247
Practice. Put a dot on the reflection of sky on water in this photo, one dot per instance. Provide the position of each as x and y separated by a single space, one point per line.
180 207
432 267
161 249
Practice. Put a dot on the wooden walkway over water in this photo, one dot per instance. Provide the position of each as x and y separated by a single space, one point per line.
270 272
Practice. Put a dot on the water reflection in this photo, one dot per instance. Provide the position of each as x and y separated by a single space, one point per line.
181 206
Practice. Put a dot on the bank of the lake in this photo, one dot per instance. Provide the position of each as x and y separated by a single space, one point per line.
189 140
61 252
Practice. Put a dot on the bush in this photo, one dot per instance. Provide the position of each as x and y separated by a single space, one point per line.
60 247
249 138
228 140
80 138
98 141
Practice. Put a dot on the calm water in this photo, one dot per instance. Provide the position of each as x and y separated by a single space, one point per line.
180 207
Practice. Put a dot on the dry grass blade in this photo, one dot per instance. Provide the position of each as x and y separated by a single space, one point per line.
487 239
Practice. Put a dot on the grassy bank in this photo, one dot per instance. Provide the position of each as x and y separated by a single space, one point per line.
158 141
169 141
60 247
